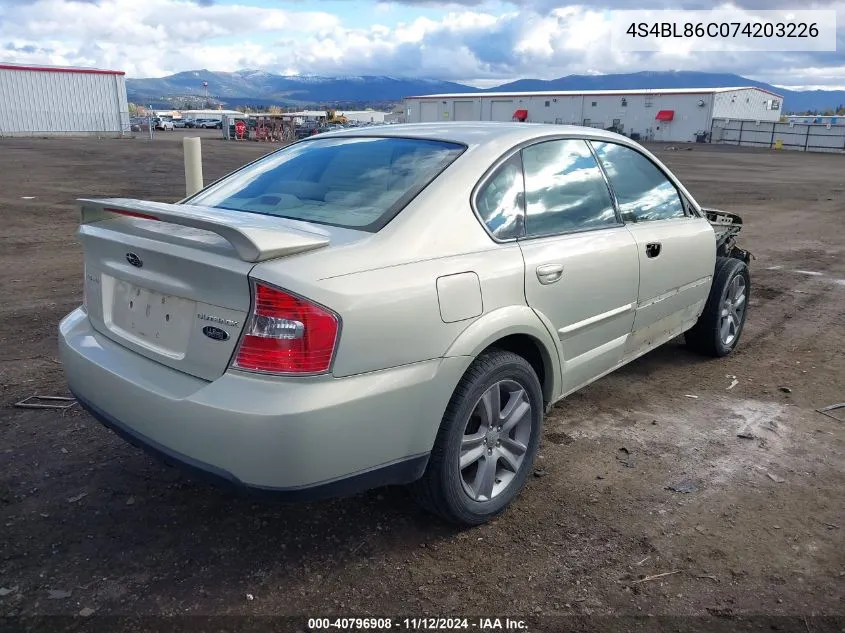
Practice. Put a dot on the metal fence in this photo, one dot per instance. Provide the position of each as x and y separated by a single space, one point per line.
803 137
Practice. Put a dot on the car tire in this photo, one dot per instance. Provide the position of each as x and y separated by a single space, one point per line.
718 329
457 494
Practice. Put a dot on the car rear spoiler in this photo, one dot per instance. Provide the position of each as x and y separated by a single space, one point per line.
254 237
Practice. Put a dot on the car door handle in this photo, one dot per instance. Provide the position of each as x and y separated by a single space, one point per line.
652 249
549 273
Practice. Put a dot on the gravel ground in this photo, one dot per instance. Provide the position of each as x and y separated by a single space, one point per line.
90 524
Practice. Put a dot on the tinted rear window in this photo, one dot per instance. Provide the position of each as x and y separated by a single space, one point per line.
353 182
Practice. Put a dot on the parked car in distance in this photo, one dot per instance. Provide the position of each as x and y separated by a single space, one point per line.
304 131
209 124
393 308
179 123
163 123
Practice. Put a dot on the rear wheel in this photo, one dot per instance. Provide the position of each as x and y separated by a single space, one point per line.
720 325
486 443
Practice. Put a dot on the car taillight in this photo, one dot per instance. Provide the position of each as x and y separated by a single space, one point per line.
286 335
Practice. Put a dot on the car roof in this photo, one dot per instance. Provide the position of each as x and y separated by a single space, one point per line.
474 133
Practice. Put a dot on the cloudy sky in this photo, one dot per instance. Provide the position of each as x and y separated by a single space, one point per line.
482 42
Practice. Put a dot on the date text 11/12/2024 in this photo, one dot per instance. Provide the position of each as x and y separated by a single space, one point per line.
483 624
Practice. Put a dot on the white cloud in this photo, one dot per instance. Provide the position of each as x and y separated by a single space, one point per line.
146 38
477 44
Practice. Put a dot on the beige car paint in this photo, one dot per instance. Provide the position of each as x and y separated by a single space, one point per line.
590 310
669 284
418 301
459 296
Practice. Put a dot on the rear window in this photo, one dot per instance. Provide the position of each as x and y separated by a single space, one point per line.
354 182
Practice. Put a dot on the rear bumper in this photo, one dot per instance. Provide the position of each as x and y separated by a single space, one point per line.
305 438
401 472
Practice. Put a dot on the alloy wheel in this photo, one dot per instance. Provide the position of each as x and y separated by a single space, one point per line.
733 308
495 440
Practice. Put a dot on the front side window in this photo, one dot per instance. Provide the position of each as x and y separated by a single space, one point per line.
500 200
354 182
564 189
642 191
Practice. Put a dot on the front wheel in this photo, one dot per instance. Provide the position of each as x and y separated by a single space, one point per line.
717 331
487 441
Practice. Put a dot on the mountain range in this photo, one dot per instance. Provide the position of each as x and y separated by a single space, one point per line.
261 88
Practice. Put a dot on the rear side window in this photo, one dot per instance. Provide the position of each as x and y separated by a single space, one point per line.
353 182
565 190
499 202
642 191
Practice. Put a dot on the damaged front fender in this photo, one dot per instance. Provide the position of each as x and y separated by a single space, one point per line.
727 226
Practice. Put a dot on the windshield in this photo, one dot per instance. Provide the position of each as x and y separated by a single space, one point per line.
353 182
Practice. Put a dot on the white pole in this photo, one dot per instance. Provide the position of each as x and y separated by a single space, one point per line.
193 165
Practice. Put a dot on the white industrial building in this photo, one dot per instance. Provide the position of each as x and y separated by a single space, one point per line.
365 116
217 115
677 115
355 116
53 100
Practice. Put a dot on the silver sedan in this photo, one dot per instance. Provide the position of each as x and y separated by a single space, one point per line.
393 306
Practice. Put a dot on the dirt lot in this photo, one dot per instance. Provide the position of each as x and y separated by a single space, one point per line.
94 519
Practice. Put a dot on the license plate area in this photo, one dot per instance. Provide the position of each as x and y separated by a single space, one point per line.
159 322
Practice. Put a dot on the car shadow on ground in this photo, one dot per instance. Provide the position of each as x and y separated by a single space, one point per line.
130 487
113 511
133 500
670 356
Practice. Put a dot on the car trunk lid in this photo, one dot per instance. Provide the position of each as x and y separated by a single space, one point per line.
171 281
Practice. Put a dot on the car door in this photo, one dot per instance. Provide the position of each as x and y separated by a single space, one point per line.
581 270
676 248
